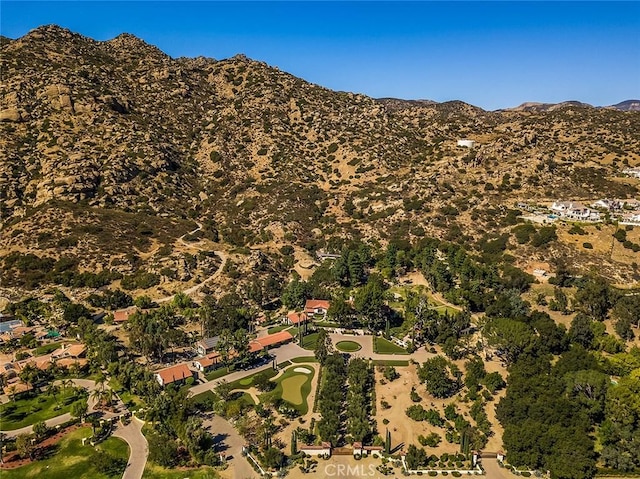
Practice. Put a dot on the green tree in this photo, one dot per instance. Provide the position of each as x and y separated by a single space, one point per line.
510 337
594 298
79 409
40 429
324 346
24 445
580 331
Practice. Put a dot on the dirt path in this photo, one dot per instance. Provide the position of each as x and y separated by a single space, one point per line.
189 291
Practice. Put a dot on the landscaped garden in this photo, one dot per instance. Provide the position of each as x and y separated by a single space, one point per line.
348 346
384 346
31 408
70 459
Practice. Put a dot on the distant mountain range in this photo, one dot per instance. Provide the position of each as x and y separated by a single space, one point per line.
627 105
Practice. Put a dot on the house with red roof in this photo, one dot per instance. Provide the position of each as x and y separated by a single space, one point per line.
269 341
317 307
177 374
296 318
122 315
208 362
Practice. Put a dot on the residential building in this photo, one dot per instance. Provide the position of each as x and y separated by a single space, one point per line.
177 374
296 318
269 341
316 307
207 345
122 315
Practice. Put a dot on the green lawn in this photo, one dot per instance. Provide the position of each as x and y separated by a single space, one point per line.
284 364
304 359
277 329
309 341
348 346
70 459
218 373
32 409
383 346
204 397
46 349
153 471
294 387
247 382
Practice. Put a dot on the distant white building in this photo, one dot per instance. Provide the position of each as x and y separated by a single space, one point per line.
635 172
574 210
467 143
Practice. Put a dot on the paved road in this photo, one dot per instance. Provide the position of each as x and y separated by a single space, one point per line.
138 448
224 434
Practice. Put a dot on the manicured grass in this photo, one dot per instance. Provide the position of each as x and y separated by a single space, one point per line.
277 329
298 387
382 346
46 349
326 324
203 397
291 389
246 383
284 364
36 408
218 373
153 471
390 362
304 359
70 459
309 341
348 346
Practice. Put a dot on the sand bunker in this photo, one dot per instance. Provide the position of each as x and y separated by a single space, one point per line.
302 370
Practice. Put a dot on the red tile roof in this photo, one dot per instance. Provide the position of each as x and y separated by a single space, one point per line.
174 373
270 340
295 318
122 315
312 304
209 360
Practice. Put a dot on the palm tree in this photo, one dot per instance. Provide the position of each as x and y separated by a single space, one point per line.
65 383
53 390
12 392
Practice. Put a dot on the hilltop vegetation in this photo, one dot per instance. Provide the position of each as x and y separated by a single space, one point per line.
113 147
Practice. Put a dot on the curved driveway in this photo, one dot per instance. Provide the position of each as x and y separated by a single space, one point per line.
138 447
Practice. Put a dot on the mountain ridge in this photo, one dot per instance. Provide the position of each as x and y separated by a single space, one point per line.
264 156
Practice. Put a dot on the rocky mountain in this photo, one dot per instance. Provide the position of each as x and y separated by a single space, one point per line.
109 146
627 105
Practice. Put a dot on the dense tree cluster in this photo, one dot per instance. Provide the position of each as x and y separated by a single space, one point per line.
332 398
360 379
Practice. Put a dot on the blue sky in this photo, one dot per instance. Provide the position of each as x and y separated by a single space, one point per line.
491 54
